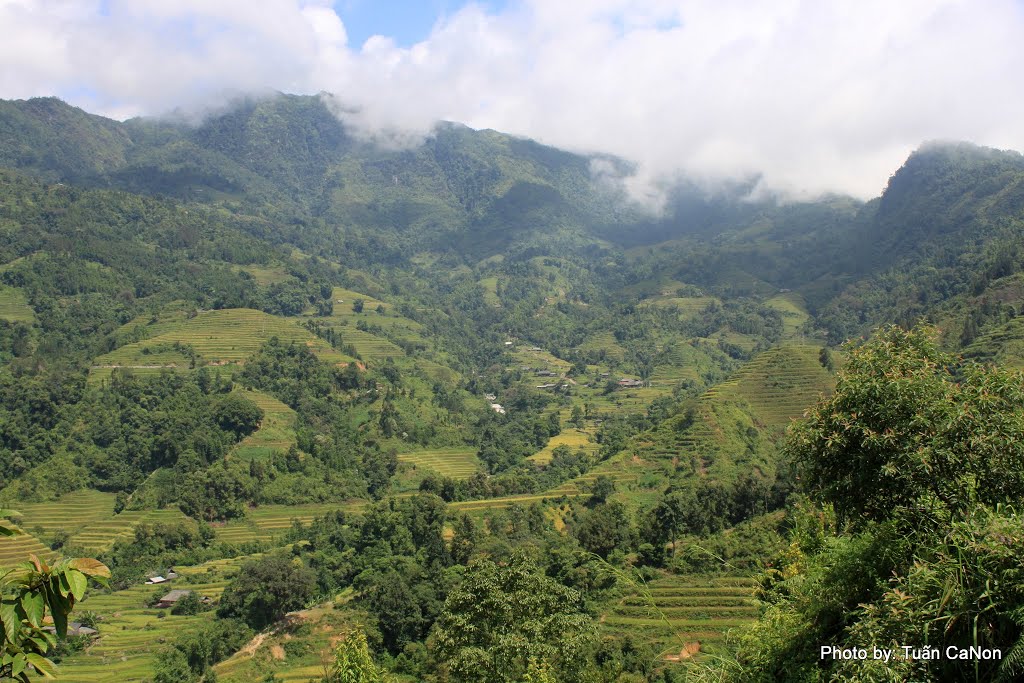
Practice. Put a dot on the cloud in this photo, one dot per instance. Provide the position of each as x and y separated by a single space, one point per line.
813 96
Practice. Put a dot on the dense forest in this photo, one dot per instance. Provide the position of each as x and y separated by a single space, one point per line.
279 404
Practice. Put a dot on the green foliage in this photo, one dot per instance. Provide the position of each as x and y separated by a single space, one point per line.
502 617
352 661
921 455
29 592
902 436
266 589
237 414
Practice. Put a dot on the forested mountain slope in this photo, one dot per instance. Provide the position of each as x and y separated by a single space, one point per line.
465 362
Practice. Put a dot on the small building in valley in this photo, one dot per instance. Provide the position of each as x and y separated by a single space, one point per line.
171 598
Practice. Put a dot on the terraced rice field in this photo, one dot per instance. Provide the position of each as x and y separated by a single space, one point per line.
276 432
224 337
684 614
621 471
15 549
458 463
87 515
779 384
268 523
689 306
14 306
70 512
263 275
792 307
571 437
369 346
131 634
100 535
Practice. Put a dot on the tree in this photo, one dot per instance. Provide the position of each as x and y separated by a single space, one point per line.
217 492
503 616
266 589
554 424
237 414
604 529
189 605
399 617
903 433
357 306
352 661
576 418
29 591
602 488
825 358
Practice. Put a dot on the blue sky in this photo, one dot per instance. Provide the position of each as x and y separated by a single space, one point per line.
405 21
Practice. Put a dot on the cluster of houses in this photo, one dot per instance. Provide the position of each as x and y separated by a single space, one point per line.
627 382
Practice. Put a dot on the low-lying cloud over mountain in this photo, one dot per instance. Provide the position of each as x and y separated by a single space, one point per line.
815 96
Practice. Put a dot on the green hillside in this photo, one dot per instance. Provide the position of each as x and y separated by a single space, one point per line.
459 395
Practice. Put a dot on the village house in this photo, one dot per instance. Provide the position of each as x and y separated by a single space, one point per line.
173 597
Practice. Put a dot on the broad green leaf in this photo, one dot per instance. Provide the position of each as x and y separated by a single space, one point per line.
77 581
10 619
43 665
34 607
18 664
90 567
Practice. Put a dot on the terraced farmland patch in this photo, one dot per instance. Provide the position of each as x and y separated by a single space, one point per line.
268 523
276 432
571 437
70 512
15 549
224 337
618 469
131 634
684 614
14 306
779 384
458 463
370 346
100 535
793 309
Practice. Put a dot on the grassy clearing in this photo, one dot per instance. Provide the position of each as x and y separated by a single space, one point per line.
458 463
263 275
281 656
14 306
218 338
276 432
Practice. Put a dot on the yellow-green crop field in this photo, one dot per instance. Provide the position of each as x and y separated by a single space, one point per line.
131 634
14 306
683 615
270 522
223 337
458 463
276 432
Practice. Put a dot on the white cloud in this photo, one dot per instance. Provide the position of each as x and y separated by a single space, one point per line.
816 96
